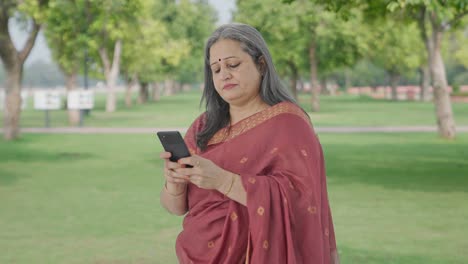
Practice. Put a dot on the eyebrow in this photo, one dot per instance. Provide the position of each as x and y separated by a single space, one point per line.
224 59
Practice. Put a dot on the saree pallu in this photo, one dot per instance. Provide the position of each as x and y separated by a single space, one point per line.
287 218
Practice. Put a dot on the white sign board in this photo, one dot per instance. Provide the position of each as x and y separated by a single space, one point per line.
80 99
24 99
47 100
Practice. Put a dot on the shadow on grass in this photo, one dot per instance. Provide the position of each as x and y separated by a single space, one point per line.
8 177
419 167
19 152
29 155
352 255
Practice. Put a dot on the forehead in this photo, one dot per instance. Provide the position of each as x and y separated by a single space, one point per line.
225 48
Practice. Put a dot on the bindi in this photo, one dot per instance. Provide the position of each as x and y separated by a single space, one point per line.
219 59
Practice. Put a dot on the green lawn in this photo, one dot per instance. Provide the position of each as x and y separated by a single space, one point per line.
396 198
179 111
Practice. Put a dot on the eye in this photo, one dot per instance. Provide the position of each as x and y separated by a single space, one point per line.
234 65
215 70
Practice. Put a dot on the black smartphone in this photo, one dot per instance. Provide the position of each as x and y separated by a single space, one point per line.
173 142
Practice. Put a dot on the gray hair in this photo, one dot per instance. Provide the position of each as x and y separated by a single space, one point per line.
271 89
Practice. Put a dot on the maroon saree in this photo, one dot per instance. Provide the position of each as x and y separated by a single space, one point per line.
287 218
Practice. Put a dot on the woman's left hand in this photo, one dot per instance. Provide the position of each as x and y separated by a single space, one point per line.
205 173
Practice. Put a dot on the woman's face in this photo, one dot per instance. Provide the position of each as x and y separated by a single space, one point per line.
235 75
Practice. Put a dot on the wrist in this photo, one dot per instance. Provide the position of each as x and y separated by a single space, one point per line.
175 189
227 184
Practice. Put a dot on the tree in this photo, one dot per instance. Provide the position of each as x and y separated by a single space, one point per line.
65 35
194 22
280 30
109 24
304 29
435 17
33 13
395 47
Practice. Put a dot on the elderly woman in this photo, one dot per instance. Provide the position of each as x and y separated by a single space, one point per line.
257 190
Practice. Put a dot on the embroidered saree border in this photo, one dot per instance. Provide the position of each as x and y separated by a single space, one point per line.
251 122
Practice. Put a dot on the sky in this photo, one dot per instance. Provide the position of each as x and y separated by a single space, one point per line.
42 52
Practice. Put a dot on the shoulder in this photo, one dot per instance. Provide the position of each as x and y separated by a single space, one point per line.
287 113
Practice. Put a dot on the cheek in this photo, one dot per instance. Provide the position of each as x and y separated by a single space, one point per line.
216 84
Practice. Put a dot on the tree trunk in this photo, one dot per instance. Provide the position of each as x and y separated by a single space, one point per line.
168 87
156 92
394 80
347 79
131 83
143 95
128 91
177 87
301 84
313 77
293 79
12 109
323 86
70 84
13 61
425 82
443 105
111 72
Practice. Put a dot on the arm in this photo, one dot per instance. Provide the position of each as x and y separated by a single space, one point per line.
173 196
207 175
232 187
174 201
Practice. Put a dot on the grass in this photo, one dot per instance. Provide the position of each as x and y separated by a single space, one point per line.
180 110
396 198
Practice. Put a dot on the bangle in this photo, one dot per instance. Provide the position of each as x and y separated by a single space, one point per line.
168 192
230 187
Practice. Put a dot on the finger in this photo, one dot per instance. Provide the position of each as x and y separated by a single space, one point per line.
165 155
177 175
188 171
173 165
194 161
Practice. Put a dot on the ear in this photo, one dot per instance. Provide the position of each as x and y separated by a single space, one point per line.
261 65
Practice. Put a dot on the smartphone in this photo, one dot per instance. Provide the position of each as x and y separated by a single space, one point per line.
173 142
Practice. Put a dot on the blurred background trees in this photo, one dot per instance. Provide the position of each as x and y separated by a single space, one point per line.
319 47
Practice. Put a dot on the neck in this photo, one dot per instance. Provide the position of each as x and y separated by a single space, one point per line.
239 112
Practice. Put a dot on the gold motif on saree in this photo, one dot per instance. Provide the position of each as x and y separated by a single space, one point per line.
233 216
211 244
260 211
312 209
273 151
266 244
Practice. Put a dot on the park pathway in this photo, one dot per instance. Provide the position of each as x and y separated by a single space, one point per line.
144 130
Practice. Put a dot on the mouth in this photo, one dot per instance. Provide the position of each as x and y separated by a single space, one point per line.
228 86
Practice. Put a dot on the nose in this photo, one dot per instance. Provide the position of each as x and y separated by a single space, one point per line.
225 73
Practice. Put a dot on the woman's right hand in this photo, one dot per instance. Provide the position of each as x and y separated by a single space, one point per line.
175 181
173 195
